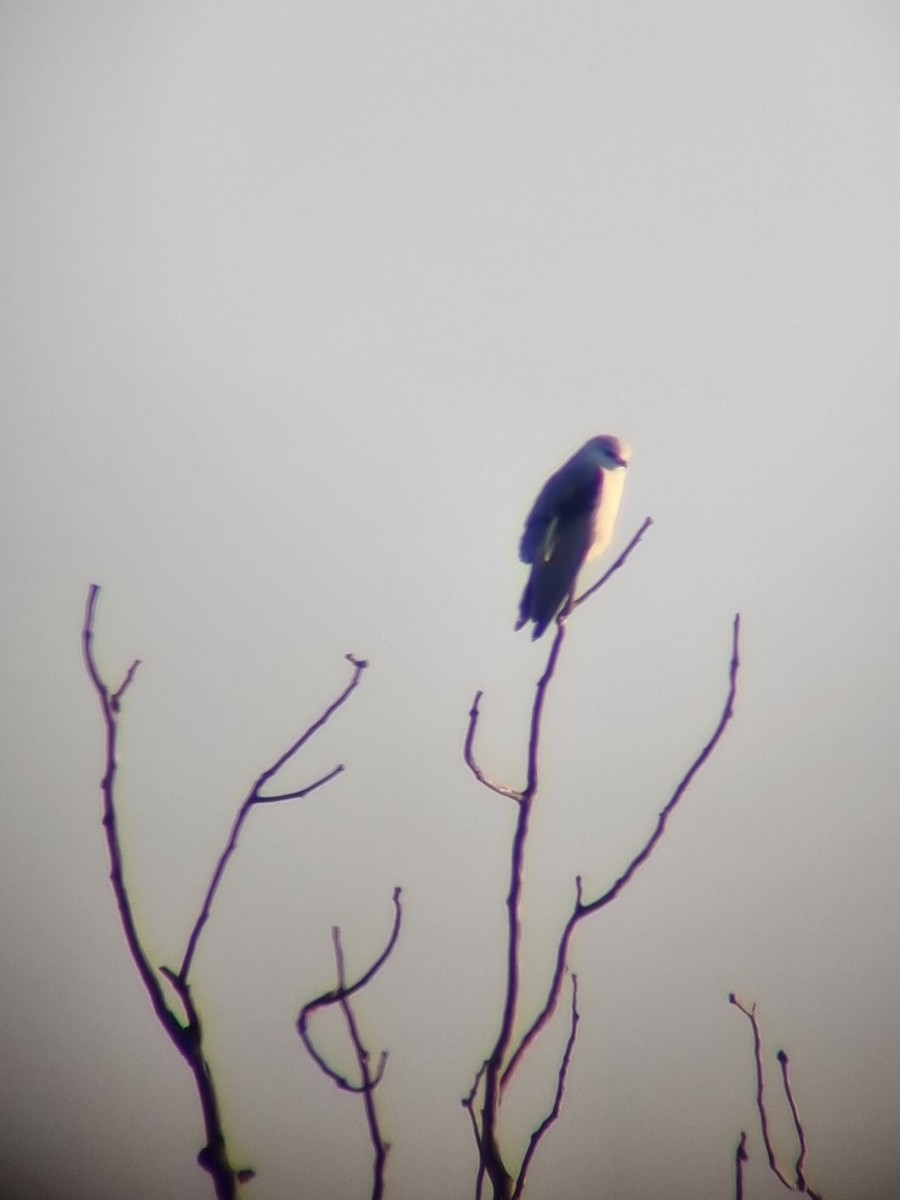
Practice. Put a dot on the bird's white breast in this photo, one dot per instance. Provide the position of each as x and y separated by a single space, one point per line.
607 510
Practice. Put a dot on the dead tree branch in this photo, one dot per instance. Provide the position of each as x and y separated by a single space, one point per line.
369 1079
800 1183
616 566
740 1157
535 1139
468 1103
582 908
503 1059
255 797
185 1031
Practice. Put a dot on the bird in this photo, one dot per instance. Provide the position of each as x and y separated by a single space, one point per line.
571 521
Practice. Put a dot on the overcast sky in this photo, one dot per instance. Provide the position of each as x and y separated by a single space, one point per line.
302 303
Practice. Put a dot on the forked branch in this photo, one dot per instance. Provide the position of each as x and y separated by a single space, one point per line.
583 908
799 1183
553 1115
256 797
502 1061
185 1030
369 1079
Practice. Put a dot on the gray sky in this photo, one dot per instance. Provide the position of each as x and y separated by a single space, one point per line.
301 305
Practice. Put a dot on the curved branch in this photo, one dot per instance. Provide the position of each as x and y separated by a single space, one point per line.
369 1080
340 995
469 755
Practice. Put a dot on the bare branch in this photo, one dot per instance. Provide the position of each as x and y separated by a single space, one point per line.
110 712
115 699
491 1157
379 1145
359 665
800 1167
469 755
298 795
369 1080
687 780
582 909
740 1157
186 1037
616 566
468 1102
255 797
184 1031
801 1186
500 1064
534 730
537 709
798 1126
750 1014
553 1115
559 975
342 993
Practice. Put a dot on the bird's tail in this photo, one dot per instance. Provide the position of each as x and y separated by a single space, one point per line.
524 606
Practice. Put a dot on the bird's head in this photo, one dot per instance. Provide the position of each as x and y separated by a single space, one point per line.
608 452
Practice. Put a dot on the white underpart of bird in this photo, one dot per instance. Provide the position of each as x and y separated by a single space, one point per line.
571 521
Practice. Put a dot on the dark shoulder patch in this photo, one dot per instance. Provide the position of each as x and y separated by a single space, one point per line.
581 499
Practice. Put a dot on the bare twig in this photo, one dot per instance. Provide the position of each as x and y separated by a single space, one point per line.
109 704
686 781
468 1103
369 1079
535 1139
491 1157
537 708
750 1014
801 1185
500 1064
740 1157
185 1037
255 797
799 1169
584 908
186 1034
616 566
340 993
469 755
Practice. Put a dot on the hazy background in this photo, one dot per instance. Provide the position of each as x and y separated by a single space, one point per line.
302 302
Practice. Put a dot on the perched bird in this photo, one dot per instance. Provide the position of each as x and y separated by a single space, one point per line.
571 521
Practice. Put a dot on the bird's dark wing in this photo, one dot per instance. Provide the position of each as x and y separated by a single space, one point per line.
566 499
